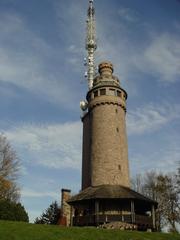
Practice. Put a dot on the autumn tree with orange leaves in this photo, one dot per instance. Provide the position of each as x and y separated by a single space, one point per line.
9 168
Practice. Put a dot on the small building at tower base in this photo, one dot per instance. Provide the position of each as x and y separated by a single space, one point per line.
95 206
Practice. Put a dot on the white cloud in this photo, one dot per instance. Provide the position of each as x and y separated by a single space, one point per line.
26 61
158 54
151 117
169 158
127 14
54 146
155 54
164 159
29 193
161 58
74 35
60 145
161 152
14 25
24 55
37 201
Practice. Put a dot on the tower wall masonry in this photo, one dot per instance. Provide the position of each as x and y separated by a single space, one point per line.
86 153
105 150
109 157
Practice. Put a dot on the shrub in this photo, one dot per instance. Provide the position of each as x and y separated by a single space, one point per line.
12 211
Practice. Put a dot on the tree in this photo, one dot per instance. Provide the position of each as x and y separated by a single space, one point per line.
12 211
50 216
9 167
10 208
137 183
162 188
171 212
178 180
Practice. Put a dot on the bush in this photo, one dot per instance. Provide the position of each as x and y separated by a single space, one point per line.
12 211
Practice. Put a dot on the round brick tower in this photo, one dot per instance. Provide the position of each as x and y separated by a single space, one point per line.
105 150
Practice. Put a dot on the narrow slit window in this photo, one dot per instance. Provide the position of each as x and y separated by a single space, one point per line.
103 91
118 94
95 93
119 167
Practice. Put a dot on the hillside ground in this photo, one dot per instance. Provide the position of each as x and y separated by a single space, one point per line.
25 231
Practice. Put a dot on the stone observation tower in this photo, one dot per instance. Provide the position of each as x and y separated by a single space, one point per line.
105 195
105 151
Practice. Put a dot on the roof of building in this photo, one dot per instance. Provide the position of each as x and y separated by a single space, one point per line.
109 192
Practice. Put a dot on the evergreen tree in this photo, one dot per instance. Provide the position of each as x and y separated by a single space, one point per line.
12 211
50 216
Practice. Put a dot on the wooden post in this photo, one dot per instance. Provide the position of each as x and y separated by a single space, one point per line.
132 212
153 217
71 217
97 212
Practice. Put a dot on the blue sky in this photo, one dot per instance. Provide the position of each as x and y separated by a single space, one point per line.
42 82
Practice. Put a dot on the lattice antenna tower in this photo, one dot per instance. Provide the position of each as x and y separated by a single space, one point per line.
91 43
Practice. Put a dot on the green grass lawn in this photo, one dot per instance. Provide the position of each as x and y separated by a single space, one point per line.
25 231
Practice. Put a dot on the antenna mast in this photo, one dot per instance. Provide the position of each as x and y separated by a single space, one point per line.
91 44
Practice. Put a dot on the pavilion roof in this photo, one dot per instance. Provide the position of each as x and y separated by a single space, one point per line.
109 192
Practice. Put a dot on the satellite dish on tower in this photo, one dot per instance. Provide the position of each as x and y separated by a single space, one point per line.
83 105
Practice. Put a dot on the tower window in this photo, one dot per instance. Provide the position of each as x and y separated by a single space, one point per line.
119 167
118 94
89 98
95 93
116 110
102 91
117 129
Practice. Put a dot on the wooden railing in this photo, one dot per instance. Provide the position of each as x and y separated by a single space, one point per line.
90 220
145 220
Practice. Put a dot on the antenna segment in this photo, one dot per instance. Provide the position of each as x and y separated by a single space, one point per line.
91 44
